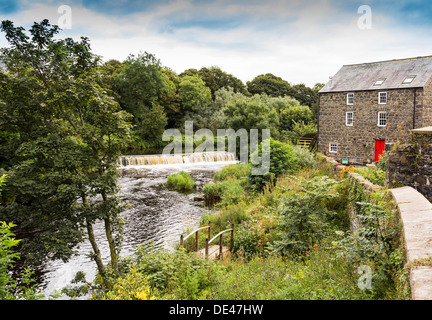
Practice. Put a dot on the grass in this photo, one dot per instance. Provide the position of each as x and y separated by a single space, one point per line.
181 181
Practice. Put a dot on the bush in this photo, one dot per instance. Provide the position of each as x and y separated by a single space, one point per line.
283 159
238 171
226 216
181 181
177 275
133 286
305 216
227 192
376 241
230 185
250 239
11 289
299 129
306 158
212 193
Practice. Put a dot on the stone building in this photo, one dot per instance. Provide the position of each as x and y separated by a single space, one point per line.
365 108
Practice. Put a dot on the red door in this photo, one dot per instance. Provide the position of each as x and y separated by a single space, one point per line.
379 148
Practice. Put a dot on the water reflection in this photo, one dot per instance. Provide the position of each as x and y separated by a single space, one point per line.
156 214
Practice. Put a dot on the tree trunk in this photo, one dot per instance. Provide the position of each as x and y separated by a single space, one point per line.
111 242
98 257
97 254
113 252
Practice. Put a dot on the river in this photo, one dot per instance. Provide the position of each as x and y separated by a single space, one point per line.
156 214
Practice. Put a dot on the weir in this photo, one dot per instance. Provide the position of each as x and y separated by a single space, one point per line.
160 159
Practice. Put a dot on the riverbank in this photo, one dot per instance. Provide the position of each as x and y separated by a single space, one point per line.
281 251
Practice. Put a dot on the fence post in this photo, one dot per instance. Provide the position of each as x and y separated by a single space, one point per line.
209 232
232 238
220 246
206 247
181 240
196 238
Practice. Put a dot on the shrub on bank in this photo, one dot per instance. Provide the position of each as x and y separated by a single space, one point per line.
283 159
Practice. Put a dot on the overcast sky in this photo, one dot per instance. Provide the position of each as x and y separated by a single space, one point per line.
302 41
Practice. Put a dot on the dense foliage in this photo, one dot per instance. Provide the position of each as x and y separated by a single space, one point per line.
292 241
63 135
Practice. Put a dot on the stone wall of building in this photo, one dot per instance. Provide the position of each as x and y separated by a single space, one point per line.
357 142
409 163
424 108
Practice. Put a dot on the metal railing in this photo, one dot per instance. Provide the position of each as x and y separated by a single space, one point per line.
208 242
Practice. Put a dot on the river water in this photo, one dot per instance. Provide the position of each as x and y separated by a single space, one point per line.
156 214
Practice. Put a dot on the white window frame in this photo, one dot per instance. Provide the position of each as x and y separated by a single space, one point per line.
349 115
408 79
382 121
382 101
350 96
379 82
333 147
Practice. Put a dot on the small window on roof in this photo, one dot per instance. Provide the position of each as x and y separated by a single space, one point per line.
379 82
408 79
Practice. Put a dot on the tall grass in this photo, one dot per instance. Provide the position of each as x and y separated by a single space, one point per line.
181 181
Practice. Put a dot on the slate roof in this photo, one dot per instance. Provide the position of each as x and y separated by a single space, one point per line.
359 77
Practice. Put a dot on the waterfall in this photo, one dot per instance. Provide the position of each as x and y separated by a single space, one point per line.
143 160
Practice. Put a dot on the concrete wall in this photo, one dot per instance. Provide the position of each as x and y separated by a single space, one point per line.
416 217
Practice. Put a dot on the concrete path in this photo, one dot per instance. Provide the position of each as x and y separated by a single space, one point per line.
416 216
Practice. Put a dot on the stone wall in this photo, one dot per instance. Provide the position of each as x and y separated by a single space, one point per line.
409 163
416 219
354 178
424 109
358 141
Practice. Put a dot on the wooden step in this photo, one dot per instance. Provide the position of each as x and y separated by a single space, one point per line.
213 252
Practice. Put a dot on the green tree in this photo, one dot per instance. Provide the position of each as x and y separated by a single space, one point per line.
68 136
305 95
283 159
251 113
142 87
290 115
194 94
171 101
109 70
271 85
314 107
217 79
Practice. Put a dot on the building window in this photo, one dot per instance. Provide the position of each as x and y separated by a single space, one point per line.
350 98
408 79
349 118
382 119
333 147
382 97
